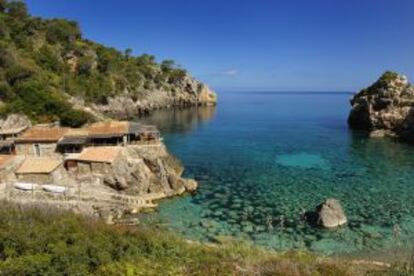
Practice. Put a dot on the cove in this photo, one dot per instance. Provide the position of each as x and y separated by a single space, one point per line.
263 158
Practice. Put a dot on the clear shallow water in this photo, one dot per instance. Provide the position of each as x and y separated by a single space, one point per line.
263 159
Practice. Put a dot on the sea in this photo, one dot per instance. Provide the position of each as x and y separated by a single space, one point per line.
264 159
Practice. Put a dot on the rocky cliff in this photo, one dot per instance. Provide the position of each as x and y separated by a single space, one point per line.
52 73
185 93
144 169
386 108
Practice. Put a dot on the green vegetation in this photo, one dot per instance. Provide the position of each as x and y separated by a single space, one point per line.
45 62
382 82
36 241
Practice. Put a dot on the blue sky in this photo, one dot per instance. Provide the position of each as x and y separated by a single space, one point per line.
295 45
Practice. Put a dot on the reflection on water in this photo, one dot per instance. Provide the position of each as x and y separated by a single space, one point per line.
179 119
261 166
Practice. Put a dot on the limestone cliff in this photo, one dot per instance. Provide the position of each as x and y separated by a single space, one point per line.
385 108
143 169
185 93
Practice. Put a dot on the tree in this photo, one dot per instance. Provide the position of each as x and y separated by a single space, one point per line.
85 65
128 53
62 31
3 5
19 73
17 9
167 65
49 59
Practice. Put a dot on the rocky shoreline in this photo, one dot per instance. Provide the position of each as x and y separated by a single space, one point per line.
188 92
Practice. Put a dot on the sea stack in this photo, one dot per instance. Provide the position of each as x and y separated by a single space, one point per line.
386 108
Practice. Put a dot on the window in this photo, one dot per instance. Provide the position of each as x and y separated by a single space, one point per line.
36 149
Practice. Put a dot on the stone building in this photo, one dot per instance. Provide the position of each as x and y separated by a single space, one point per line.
93 160
41 170
7 137
40 141
73 141
121 133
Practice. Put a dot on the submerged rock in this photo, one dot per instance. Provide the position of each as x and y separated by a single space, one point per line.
330 214
386 108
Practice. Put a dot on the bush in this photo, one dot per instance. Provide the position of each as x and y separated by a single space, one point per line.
17 9
19 73
5 91
43 241
49 59
62 31
74 118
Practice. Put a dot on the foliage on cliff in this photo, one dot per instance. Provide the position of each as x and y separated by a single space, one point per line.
43 62
35 241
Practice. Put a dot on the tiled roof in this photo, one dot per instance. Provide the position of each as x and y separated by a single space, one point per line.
42 134
4 159
77 132
109 128
97 154
38 165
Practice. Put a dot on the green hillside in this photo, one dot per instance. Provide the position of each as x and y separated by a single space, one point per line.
43 62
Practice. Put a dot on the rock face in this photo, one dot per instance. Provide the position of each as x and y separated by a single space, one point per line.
330 214
144 169
188 92
386 108
15 121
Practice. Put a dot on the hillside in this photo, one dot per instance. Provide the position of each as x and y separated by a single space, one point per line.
49 72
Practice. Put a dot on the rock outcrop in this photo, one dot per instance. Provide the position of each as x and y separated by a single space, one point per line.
15 121
386 108
330 214
188 92
141 170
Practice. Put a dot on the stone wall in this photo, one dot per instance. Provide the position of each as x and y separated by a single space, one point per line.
58 177
46 149
37 178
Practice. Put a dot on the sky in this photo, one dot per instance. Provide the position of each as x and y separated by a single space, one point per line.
295 45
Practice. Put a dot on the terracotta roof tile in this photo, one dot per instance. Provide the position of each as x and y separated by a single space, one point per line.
97 154
109 127
38 165
42 134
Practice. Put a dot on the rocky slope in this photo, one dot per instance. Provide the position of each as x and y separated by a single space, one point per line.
50 72
386 108
187 92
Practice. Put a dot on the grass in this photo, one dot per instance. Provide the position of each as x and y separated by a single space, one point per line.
37 241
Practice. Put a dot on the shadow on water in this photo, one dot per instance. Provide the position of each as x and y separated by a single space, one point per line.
179 120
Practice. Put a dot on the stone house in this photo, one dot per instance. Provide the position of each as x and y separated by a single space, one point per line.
40 141
93 160
7 137
120 133
41 170
73 141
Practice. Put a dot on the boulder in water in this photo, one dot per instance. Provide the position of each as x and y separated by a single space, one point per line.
330 214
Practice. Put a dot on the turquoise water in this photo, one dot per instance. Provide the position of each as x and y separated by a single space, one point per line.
263 159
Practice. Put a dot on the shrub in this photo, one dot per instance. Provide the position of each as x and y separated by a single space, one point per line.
19 73
17 9
62 31
49 59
